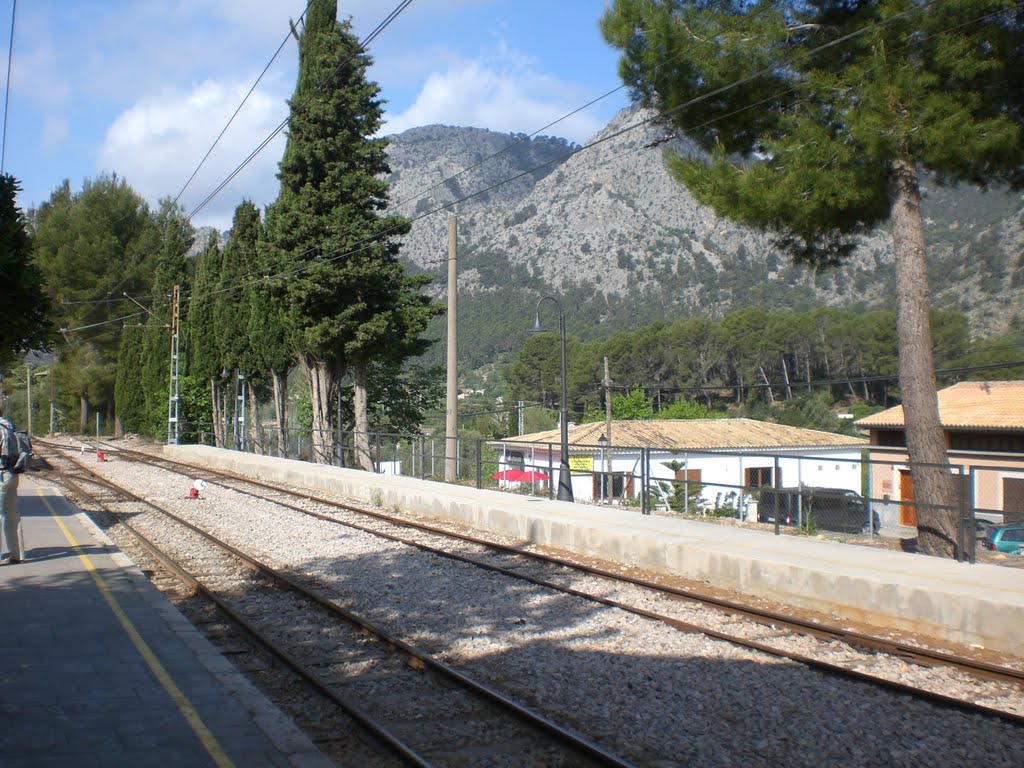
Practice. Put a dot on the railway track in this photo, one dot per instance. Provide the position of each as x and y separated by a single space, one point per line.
764 632
421 711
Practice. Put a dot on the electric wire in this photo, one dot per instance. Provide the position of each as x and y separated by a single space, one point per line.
7 93
361 245
252 155
239 109
284 123
365 243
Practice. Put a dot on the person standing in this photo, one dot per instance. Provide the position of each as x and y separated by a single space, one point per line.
10 529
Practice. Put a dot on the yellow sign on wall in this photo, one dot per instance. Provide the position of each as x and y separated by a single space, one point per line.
581 463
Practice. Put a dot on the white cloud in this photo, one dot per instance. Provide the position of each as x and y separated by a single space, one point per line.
158 142
503 93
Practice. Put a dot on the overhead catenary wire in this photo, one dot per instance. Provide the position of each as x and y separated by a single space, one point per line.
361 245
366 242
239 108
395 13
376 31
7 93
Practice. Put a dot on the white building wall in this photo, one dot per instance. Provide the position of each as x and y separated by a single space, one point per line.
721 473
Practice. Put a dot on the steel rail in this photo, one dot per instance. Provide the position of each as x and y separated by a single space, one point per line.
357 713
414 656
916 654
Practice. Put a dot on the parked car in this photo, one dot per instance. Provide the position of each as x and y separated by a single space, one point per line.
828 509
981 526
1008 538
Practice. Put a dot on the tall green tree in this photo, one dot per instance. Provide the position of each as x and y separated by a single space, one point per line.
171 268
348 302
129 396
819 117
24 322
204 359
268 332
95 249
232 308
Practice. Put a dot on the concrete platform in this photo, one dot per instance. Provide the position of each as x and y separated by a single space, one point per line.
980 604
98 669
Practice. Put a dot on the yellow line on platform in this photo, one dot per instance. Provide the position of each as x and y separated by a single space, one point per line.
192 717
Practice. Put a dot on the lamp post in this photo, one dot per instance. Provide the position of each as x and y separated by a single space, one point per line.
603 442
564 476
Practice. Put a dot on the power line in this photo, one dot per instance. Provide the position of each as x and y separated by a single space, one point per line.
284 123
239 109
7 94
366 242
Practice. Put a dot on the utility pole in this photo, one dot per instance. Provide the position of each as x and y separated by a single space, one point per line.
53 406
28 398
451 425
173 432
607 403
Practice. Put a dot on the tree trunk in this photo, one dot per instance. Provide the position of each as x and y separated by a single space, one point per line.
83 411
321 392
926 444
255 426
785 378
768 384
215 415
281 410
361 438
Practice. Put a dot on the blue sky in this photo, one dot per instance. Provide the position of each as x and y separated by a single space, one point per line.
143 87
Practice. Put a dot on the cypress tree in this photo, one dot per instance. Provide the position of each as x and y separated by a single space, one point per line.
171 268
203 340
231 309
129 398
268 333
347 301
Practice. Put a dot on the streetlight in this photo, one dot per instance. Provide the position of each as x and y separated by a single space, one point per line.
603 442
564 476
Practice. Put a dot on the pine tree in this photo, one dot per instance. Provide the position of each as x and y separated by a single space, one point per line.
820 117
95 249
347 301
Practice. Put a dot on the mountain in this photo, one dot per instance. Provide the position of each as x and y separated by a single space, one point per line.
606 231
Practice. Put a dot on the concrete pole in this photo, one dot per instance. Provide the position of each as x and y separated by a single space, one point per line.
451 425
28 399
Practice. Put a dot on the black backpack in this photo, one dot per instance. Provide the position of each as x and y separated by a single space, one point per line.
16 451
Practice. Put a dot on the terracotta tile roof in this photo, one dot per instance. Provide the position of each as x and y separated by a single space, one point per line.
695 434
969 404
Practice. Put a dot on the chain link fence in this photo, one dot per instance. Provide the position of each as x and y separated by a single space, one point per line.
842 494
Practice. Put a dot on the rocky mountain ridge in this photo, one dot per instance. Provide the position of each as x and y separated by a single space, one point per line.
606 230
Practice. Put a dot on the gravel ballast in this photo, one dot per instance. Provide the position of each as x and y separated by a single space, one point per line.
653 694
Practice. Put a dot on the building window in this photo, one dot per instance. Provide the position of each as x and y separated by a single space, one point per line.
891 438
986 442
757 477
611 485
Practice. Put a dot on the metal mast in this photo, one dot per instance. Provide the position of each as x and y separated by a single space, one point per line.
172 402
